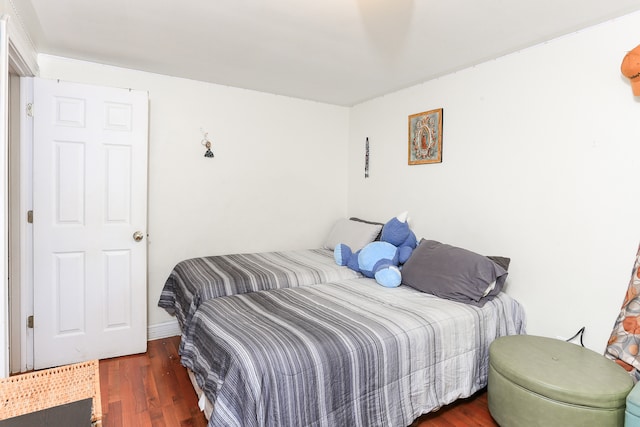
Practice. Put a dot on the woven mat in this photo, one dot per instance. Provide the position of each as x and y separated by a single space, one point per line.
38 390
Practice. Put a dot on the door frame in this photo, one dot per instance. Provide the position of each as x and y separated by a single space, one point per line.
18 55
21 306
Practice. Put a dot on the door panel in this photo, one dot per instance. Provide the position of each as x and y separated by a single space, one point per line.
68 169
90 195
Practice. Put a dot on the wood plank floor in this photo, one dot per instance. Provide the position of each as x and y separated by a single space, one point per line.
150 389
153 389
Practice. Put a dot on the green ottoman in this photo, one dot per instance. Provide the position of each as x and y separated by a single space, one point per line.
539 381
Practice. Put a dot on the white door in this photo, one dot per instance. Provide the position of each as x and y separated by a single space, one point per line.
89 222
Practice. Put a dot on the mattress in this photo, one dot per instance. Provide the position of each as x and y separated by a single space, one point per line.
349 352
196 280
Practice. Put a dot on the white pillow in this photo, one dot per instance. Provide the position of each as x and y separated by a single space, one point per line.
354 234
489 289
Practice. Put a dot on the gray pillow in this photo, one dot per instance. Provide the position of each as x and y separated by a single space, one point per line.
453 273
501 261
354 234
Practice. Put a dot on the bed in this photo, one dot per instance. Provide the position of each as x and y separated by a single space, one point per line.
195 280
348 352
265 348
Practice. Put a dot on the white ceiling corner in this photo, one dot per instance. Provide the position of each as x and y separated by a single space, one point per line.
334 51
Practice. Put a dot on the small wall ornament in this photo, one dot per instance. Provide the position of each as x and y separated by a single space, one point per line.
631 69
207 143
366 158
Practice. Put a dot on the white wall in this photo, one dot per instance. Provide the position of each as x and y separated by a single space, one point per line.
541 153
541 156
276 181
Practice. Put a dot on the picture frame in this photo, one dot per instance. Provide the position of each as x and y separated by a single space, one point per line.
425 137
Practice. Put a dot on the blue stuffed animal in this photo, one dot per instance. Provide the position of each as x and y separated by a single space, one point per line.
381 259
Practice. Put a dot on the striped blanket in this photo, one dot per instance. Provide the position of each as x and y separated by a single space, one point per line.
196 280
348 353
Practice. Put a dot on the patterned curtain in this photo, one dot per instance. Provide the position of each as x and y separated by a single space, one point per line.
624 343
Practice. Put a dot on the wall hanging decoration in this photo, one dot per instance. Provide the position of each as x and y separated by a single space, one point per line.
425 137
207 143
631 69
366 158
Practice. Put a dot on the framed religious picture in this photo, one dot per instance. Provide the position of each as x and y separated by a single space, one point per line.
425 137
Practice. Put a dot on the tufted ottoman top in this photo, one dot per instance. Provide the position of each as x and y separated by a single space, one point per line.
561 371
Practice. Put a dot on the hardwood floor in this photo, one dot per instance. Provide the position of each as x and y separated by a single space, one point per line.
150 389
469 412
153 389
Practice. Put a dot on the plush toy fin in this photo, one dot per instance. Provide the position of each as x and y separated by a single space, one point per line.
403 216
389 277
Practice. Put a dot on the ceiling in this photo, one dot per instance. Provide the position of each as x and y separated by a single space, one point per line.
334 51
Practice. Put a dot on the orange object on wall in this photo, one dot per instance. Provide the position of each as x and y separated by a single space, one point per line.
631 69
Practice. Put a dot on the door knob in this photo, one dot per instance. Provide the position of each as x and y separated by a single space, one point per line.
138 235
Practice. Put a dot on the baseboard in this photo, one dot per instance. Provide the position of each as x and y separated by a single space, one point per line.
163 330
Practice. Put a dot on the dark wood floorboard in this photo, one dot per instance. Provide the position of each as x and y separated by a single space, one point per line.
150 389
153 389
470 412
